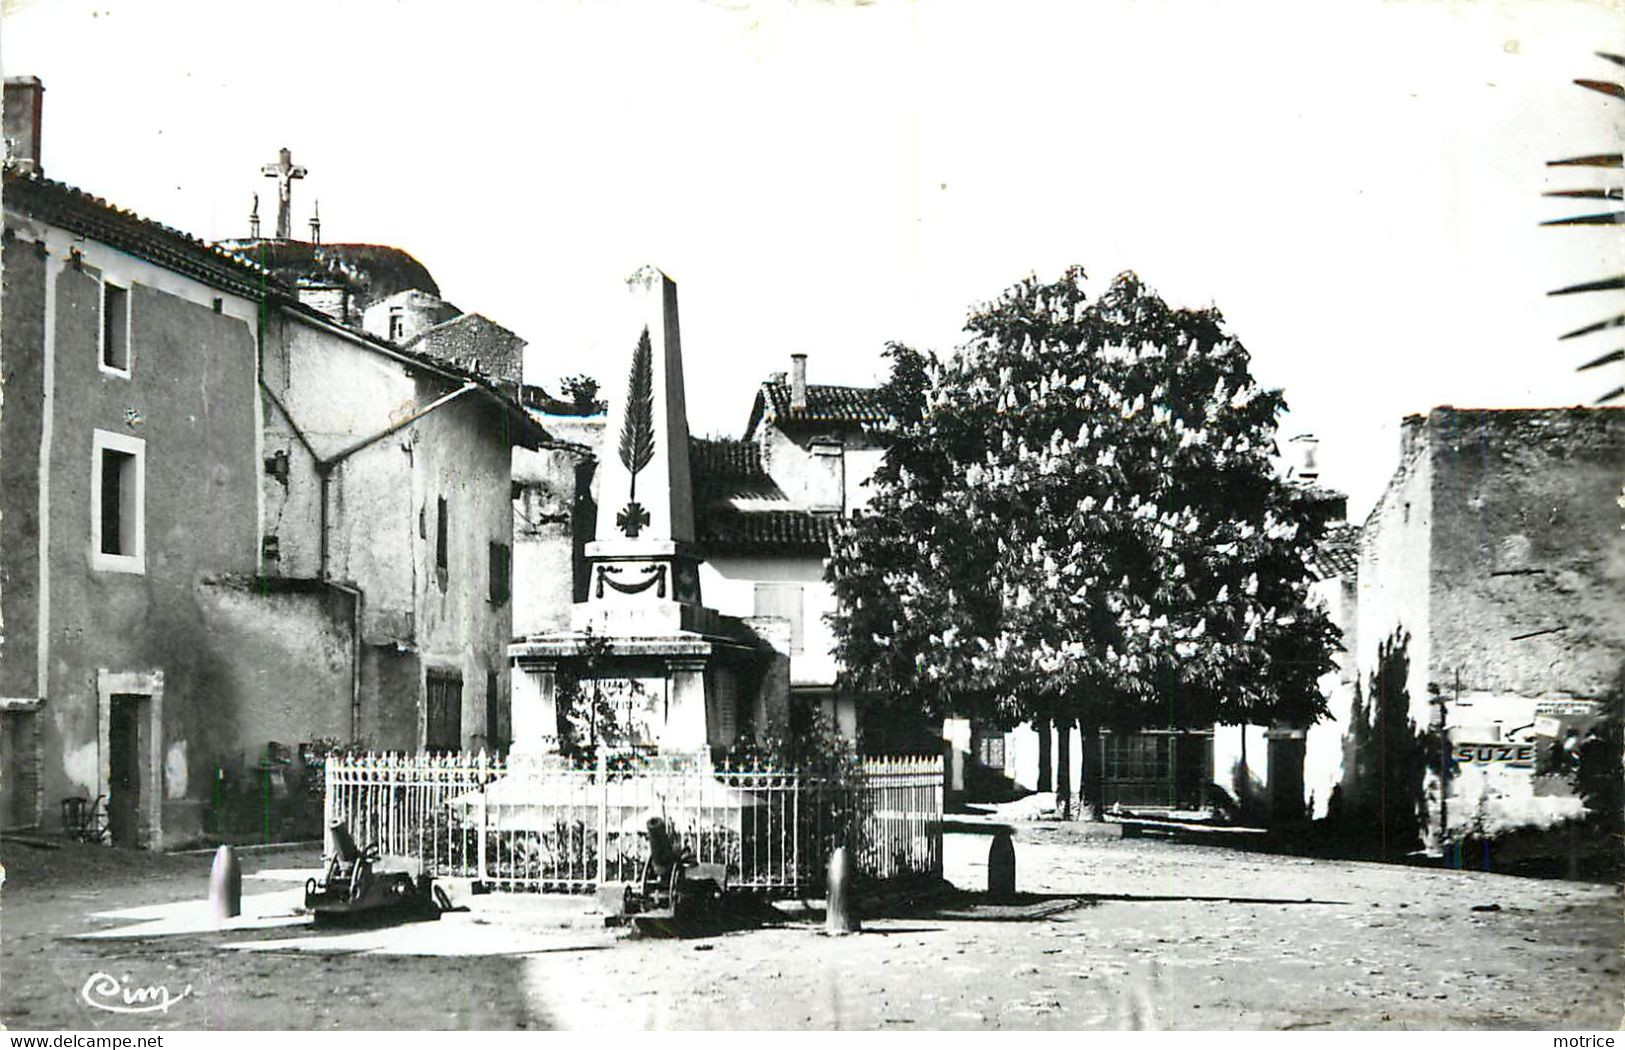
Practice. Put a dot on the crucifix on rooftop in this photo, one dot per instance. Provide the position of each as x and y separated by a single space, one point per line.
284 171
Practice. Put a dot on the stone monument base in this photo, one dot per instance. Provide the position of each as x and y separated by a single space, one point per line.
675 693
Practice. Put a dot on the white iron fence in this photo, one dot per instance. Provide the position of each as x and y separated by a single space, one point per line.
567 830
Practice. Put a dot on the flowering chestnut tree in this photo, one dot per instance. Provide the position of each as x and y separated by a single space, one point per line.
1078 518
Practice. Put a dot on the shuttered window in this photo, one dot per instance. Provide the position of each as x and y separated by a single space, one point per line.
443 729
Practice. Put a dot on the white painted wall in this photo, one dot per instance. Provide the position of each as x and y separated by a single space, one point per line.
728 585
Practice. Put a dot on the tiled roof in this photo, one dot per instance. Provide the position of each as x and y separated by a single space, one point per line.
739 509
1338 553
92 217
825 404
725 458
723 530
723 470
1316 493
475 342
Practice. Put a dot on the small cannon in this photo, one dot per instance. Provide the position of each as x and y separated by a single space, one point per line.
351 890
673 886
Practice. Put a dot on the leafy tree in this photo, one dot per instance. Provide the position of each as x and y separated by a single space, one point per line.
582 391
1078 519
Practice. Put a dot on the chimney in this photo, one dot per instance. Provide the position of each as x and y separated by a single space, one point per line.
1306 453
24 100
798 381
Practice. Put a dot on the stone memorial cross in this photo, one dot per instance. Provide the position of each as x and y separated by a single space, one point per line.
284 171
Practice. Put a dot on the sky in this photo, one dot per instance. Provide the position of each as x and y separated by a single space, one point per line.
1356 185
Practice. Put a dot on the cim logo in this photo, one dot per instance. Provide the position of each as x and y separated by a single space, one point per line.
116 995
1517 756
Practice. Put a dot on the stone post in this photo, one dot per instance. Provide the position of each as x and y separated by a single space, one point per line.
839 916
225 885
1001 866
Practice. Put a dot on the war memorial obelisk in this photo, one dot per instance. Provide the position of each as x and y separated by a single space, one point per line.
683 669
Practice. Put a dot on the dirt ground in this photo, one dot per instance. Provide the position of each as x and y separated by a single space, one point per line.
1111 933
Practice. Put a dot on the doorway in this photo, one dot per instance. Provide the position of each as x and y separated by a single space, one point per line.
130 774
126 767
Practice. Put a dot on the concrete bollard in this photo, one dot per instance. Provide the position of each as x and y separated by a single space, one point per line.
1001 866
839 916
225 885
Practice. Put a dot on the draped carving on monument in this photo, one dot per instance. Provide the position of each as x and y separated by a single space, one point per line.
638 433
653 576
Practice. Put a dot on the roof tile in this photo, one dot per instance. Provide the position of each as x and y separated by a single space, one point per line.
726 531
91 216
825 404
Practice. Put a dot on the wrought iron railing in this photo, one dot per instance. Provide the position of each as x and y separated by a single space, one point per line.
525 827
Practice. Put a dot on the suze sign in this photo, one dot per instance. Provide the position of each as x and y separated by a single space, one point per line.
1518 756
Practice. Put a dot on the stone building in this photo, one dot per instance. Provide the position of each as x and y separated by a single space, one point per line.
129 473
232 525
1495 556
1496 549
768 506
428 325
388 477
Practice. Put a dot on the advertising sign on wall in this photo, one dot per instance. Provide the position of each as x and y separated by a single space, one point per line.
1511 755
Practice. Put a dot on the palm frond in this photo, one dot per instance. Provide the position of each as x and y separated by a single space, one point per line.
637 429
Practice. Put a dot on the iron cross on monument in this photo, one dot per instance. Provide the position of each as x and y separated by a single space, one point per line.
284 171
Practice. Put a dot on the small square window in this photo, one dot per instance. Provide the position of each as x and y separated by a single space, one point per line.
115 328
117 496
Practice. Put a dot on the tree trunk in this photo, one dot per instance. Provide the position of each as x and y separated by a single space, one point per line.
1063 767
1046 782
1094 781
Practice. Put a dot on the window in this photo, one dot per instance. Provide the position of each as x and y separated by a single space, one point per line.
117 503
1136 756
440 550
443 723
115 329
989 747
501 583
397 324
441 545
783 600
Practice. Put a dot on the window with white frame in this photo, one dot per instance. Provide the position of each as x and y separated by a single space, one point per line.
118 503
115 335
